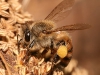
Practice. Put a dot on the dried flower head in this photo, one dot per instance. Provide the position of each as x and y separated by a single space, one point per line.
11 18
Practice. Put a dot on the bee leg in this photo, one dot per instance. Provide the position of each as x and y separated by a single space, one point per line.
53 65
52 70
59 68
26 57
55 68
45 54
52 47
62 42
18 43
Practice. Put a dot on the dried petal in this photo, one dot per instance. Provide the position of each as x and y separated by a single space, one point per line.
16 6
2 71
4 6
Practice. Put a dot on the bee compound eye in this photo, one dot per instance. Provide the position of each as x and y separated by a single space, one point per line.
27 36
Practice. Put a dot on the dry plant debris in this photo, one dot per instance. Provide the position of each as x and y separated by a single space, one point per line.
11 63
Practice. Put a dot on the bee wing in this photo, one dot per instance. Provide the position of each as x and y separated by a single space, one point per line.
60 11
70 28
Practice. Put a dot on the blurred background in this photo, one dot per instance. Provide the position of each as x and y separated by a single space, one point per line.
87 42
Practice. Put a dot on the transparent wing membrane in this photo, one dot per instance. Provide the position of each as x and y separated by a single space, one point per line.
61 11
71 28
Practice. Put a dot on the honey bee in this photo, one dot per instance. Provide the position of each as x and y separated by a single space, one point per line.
44 40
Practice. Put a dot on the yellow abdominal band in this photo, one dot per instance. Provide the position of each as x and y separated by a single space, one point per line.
62 51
